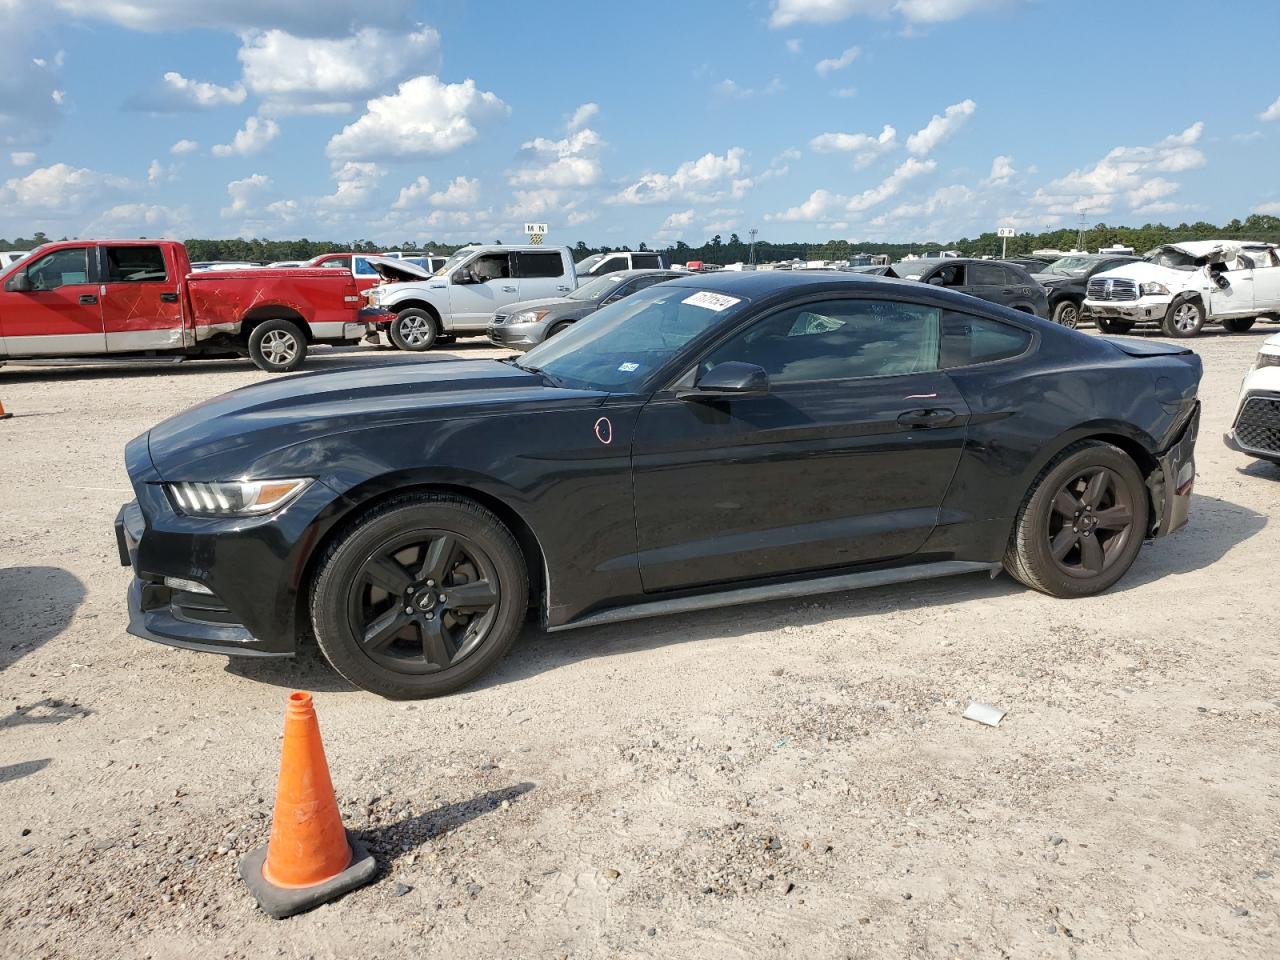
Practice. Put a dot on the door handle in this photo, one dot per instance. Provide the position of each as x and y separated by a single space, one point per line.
932 417
563 287
169 297
508 289
88 299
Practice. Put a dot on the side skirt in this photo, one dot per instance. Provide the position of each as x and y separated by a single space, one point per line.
779 591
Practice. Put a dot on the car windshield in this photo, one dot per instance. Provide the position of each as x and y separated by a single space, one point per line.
454 261
1070 266
1169 257
584 266
619 346
597 289
912 269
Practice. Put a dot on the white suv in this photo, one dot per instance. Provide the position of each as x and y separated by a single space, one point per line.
1183 286
1256 428
463 294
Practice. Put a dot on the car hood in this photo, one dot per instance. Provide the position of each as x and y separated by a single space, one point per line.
1055 278
285 423
397 271
553 302
1142 272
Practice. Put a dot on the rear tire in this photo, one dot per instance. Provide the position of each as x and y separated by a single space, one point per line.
422 596
1067 314
1238 324
277 346
1116 327
414 329
1184 319
1082 523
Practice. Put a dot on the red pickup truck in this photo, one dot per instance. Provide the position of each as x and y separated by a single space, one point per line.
90 299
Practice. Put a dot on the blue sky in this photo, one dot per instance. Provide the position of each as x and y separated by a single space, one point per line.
808 119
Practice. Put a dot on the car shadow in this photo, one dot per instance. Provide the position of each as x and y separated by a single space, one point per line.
305 670
1260 468
36 605
16 771
397 839
48 710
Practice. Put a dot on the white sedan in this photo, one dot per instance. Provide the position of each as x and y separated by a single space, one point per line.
1256 428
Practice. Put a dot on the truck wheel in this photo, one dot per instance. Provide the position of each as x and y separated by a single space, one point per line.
414 329
1238 324
1067 314
1185 319
277 346
1113 326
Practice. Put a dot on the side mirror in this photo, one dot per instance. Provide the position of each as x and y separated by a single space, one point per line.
464 276
935 282
19 283
726 381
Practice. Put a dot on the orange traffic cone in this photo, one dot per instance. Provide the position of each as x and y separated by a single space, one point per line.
3 415
310 857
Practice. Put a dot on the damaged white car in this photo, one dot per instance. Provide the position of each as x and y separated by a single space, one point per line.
1183 286
1256 427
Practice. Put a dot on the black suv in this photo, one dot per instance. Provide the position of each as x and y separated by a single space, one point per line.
1004 283
1065 279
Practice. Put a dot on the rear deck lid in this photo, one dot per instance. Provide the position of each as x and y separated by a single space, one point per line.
1146 348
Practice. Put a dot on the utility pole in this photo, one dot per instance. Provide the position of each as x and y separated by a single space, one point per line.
752 234
1080 234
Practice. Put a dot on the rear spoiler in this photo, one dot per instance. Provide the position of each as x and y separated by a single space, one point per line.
1146 348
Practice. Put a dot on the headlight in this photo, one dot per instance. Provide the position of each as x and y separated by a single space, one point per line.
234 498
1267 360
529 316
1152 289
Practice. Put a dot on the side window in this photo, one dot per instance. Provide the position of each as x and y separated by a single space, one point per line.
491 266
645 261
1014 277
135 265
838 340
363 268
952 275
547 264
986 275
611 265
60 268
641 282
967 340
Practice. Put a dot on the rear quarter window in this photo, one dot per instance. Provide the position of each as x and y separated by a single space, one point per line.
548 264
968 340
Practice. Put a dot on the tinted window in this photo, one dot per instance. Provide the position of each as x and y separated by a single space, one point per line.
60 268
1014 274
967 340
645 261
135 265
952 275
641 282
838 340
492 266
986 274
539 264
612 264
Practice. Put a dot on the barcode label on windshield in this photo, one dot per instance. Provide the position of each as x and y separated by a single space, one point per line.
711 301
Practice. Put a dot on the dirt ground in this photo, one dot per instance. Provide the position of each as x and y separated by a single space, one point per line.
779 780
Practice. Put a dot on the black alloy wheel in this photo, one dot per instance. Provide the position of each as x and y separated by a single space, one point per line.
1067 314
421 596
1082 522
1091 522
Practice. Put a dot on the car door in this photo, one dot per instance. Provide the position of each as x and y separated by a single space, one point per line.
141 306
1231 288
542 273
1266 280
846 460
988 281
60 315
479 287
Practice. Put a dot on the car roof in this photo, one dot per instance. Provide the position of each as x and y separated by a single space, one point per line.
762 283
642 272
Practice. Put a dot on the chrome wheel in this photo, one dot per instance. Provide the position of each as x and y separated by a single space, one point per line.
415 331
280 348
1069 315
1091 522
1186 318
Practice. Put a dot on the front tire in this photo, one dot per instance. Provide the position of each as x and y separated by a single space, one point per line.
1184 319
1113 327
422 596
1238 324
1082 523
558 329
414 329
1067 314
277 346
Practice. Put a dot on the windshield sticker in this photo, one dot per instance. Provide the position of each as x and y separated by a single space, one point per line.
711 301
628 367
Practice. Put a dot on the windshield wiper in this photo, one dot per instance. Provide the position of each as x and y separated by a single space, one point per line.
550 378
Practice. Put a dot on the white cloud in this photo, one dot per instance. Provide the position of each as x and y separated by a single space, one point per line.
794 45
678 221
177 93
788 12
863 146
1251 137
244 193
423 118
57 189
317 18
940 128
257 133
413 195
157 172
531 203
305 74
579 217
141 219
1002 171
1272 112
1268 209
832 64
570 162
695 181
845 93
28 108
732 90
461 192
1123 174
942 199
820 205
22 158
582 116
891 185
356 183
184 147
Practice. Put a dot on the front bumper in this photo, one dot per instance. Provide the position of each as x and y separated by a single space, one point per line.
1256 428
1143 310
1172 482
517 336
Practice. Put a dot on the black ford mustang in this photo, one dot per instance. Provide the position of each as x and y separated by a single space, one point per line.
712 440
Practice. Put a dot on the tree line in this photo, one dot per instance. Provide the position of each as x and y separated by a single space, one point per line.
718 250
